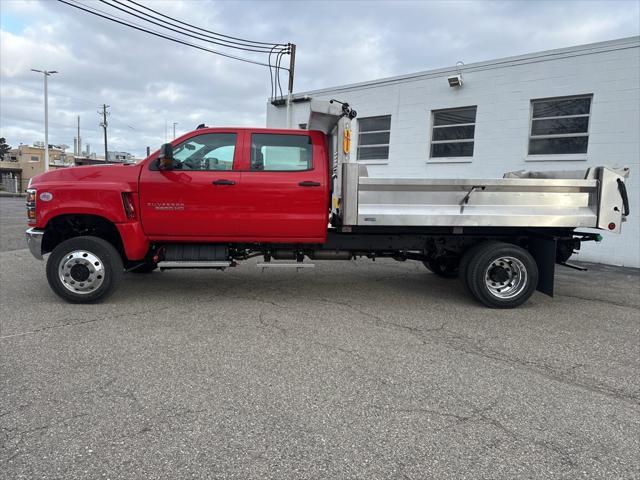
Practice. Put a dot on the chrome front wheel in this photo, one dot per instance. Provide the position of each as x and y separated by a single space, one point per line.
84 269
81 272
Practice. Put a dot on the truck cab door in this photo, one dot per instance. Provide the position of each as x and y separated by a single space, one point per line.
198 198
284 187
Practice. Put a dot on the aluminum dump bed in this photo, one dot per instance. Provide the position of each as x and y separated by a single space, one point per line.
594 197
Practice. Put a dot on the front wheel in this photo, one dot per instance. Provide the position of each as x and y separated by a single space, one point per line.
501 275
84 269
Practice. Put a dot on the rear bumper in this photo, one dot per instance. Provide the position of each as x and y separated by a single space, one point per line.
34 241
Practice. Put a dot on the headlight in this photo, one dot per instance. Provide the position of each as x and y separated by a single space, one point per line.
31 205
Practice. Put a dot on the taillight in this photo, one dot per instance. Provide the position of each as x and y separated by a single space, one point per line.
31 205
129 205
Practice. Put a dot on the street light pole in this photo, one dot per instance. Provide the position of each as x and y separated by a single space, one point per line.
174 130
45 74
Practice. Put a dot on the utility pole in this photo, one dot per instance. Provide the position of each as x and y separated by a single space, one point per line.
174 130
46 73
292 66
104 126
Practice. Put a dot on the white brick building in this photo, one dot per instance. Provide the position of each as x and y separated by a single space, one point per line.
569 108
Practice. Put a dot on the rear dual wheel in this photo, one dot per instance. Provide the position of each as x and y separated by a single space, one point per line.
499 275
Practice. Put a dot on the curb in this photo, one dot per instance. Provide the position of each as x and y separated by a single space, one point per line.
10 194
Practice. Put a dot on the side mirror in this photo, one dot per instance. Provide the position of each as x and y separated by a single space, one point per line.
165 158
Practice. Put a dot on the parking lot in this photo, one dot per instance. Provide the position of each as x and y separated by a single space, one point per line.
350 370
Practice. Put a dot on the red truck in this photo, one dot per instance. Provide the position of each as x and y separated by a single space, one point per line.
217 196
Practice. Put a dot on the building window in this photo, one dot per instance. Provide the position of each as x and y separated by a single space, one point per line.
453 132
559 125
373 138
34 158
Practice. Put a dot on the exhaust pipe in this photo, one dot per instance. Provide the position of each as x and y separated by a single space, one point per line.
284 254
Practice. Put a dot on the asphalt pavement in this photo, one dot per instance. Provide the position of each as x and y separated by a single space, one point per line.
359 369
13 218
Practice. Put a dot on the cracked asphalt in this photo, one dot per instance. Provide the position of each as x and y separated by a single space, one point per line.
349 370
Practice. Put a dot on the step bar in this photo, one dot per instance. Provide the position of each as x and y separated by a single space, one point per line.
175 264
194 264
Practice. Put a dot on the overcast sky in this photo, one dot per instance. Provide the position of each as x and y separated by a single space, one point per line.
148 81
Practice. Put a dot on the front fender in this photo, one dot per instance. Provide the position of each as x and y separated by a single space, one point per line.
80 199
134 240
102 200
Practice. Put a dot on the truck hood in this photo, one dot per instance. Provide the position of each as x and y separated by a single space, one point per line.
125 177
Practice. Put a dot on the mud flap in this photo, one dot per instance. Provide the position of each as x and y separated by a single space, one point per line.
543 249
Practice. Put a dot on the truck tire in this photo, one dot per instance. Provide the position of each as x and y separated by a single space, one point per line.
84 269
501 275
464 267
441 267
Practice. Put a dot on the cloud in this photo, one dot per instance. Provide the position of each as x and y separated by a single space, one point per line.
149 82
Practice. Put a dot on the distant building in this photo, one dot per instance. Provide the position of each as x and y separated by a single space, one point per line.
25 162
119 157
114 158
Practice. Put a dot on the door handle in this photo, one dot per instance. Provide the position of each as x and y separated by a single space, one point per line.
308 183
223 181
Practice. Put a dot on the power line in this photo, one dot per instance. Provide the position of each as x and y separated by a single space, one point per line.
265 47
272 94
203 29
241 44
111 18
274 75
279 85
181 31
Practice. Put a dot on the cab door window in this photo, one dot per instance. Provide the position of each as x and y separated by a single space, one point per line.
275 152
211 151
